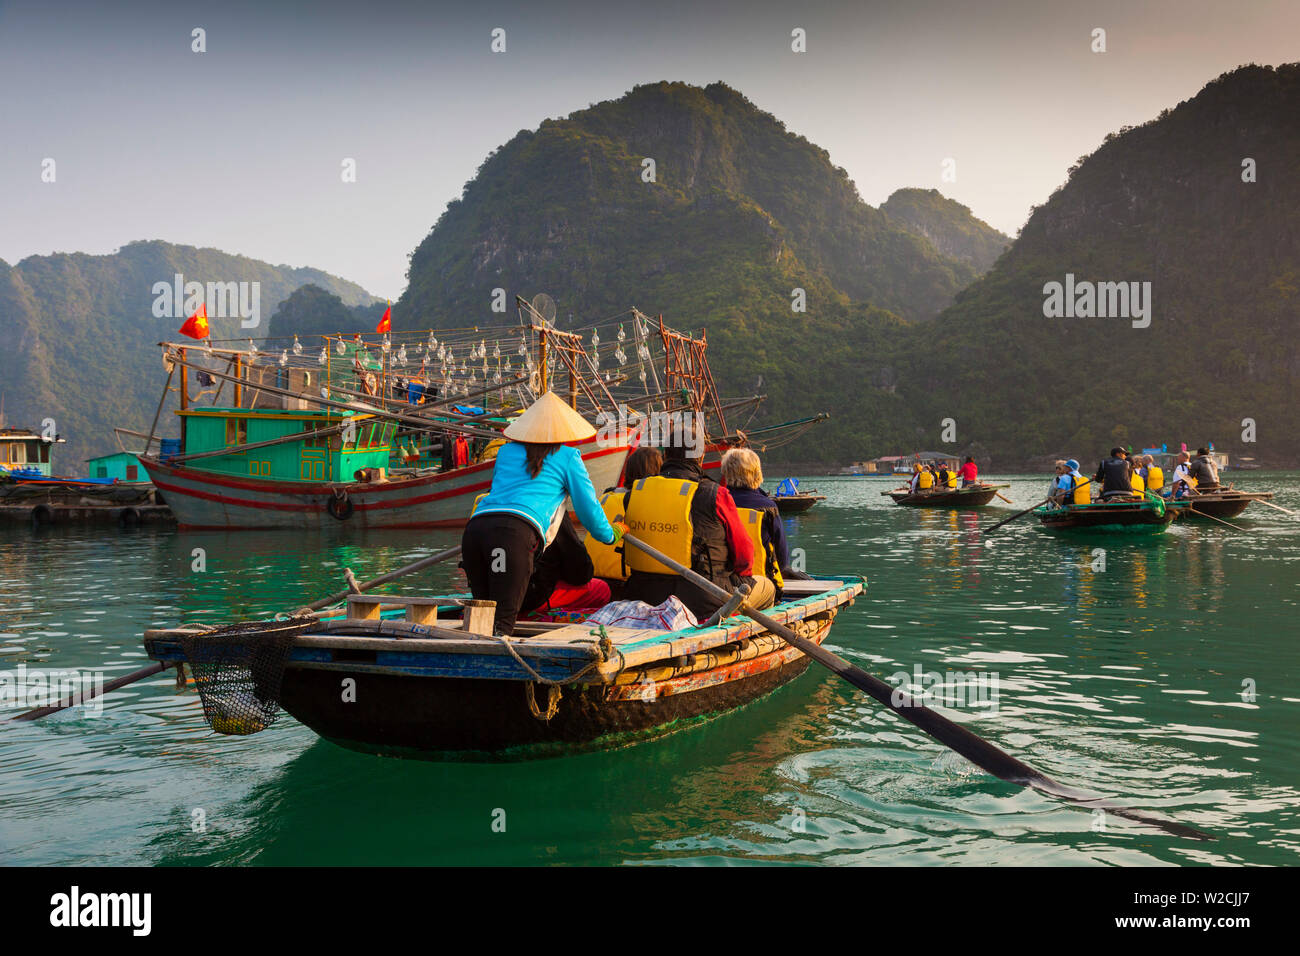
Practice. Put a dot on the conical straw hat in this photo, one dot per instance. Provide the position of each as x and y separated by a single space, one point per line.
549 421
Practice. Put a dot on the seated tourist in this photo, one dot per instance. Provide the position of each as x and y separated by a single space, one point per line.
1114 475
610 560
563 576
742 473
693 520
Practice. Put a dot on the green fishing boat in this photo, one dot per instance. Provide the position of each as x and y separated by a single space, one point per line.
1147 515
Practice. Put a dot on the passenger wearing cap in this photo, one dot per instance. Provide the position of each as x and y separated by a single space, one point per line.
1080 487
535 471
1113 475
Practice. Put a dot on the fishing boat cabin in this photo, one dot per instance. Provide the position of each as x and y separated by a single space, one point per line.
25 451
344 443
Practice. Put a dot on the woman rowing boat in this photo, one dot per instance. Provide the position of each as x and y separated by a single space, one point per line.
535 470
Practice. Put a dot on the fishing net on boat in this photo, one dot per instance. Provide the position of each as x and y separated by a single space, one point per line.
238 671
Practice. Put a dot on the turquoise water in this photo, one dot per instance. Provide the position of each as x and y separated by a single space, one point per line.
1127 680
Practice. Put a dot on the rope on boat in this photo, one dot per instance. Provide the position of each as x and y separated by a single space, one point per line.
554 688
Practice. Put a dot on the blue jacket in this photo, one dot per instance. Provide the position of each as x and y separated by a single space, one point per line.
536 500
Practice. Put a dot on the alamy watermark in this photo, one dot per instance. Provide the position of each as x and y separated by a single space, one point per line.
658 429
179 299
1100 300
27 688
953 689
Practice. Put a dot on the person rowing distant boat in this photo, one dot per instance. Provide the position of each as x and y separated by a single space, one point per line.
969 472
1114 474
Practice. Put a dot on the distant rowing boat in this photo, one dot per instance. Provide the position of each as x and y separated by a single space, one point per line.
972 496
796 504
1216 504
1129 516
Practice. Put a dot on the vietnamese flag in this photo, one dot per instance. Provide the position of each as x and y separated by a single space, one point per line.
386 323
196 326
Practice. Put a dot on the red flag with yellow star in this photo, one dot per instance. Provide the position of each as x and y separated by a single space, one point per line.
196 326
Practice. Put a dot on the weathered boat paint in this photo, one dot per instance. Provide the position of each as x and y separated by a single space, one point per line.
444 692
206 500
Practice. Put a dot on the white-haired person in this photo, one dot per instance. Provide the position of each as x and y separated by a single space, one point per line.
742 475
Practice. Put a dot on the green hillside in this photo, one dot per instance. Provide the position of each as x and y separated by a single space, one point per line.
81 336
1163 203
948 226
741 213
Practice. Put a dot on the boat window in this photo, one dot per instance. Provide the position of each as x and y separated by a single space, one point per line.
18 453
101 471
236 431
132 473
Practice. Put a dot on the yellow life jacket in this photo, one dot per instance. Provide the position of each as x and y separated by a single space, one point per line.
952 479
1155 477
474 507
1136 483
659 513
926 481
1082 492
765 562
609 560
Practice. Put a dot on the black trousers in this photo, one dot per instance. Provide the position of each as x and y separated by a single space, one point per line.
498 554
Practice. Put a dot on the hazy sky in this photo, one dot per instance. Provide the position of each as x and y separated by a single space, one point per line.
241 147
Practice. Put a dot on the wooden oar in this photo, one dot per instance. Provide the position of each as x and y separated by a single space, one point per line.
974 748
83 696
1003 497
382 579
155 668
1021 514
1192 505
1261 501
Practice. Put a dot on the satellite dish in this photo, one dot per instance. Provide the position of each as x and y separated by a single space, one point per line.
544 306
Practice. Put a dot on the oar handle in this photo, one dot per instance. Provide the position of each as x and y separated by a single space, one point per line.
382 579
994 527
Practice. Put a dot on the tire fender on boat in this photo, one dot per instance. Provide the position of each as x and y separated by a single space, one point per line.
129 517
340 506
42 514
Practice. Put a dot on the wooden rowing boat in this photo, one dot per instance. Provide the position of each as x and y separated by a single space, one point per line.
797 503
1216 504
1127 516
972 496
433 685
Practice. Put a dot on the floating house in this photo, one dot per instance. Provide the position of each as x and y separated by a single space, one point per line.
26 451
119 466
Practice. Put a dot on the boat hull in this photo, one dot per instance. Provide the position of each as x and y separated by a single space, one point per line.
1216 504
796 504
1111 518
208 500
974 497
470 718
